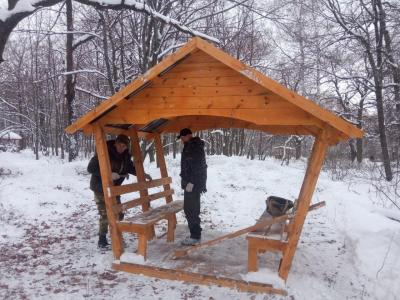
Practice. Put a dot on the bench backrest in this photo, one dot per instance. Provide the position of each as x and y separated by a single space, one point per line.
137 187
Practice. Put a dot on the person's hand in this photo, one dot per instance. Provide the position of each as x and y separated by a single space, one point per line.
115 176
189 187
148 177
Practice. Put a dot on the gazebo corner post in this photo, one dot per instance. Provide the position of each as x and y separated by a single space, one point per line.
107 183
164 174
315 162
140 174
161 162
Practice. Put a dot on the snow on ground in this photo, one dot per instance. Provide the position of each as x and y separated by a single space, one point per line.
348 249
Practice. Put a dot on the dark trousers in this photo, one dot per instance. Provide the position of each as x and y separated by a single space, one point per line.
191 207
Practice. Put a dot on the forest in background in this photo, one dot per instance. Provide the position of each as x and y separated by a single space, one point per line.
65 57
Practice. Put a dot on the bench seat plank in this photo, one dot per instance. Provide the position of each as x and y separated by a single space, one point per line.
156 214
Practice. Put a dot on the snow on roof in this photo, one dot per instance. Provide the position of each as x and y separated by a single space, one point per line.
10 135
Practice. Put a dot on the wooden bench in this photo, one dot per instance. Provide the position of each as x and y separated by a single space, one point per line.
143 223
272 238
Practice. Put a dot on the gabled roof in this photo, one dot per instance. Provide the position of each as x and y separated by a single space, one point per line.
342 127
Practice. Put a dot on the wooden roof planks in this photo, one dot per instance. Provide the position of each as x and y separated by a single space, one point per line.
201 82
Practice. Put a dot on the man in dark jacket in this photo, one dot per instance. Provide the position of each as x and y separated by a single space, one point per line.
193 182
121 166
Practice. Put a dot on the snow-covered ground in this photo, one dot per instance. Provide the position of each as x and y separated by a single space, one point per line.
48 235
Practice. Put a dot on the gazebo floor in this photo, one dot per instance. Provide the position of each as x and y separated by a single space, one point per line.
224 264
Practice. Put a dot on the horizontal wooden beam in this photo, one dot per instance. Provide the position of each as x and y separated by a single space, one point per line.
142 200
196 278
210 102
201 57
138 186
212 81
189 71
262 242
197 123
202 91
256 116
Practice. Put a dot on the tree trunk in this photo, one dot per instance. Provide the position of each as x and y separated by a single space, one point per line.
72 143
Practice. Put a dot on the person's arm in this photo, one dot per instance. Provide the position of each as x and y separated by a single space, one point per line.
131 167
93 166
197 164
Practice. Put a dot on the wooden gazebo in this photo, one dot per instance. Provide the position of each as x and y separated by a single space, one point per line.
201 87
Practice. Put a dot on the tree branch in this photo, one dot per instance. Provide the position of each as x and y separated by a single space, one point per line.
10 18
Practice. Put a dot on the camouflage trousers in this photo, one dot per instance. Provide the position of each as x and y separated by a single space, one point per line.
101 207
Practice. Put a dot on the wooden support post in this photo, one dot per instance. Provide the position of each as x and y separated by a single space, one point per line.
140 174
171 228
161 163
252 260
307 189
142 245
164 174
137 156
107 183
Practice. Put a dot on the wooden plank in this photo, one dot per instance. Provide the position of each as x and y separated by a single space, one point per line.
232 68
155 214
197 123
132 228
205 72
257 116
161 164
140 201
281 130
265 243
200 91
114 130
196 278
138 186
279 89
107 182
212 81
123 93
171 228
214 102
199 56
261 224
307 189
140 174
142 245
252 259
189 65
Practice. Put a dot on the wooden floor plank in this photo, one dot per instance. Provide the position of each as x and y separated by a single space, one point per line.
180 275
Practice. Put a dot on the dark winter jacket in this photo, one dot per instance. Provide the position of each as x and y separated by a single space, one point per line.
193 165
120 163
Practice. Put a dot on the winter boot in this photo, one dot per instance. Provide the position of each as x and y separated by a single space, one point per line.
103 243
190 241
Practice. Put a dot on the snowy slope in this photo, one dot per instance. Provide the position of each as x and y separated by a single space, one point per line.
48 236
